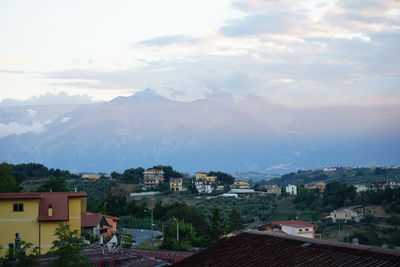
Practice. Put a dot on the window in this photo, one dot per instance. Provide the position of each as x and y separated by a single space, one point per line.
18 207
300 230
306 229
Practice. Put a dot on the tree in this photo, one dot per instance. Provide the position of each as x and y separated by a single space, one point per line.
55 185
183 231
222 178
8 184
217 226
234 220
133 175
68 247
338 194
116 205
115 175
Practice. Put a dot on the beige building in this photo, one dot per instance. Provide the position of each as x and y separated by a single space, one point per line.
176 184
240 184
273 189
320 186
343 214
91 176
204 176
153 178
297 228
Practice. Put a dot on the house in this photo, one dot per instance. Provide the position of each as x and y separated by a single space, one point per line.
382 184
153 178
294 227
240 184
291 189
320 186
344 214
247 193
272 189
254 248
204 176
35 216
203 186
329 169
176 184
99 225
361 188
92 177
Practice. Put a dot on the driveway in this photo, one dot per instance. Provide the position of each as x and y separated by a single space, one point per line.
141 235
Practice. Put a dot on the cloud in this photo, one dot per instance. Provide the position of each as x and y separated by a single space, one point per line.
17 128
47 99
167 40
292 52
278 22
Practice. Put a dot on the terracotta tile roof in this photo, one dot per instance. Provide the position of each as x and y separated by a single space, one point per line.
297 224
90 219
272 249
112 218
21 195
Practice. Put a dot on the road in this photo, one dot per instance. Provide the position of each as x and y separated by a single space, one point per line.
141 235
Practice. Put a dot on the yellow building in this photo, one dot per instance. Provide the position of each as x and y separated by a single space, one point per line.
176 184
35 216
204 176
240 184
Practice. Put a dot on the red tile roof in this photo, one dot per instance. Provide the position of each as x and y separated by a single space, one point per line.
272 249
21 195
297 224
90 219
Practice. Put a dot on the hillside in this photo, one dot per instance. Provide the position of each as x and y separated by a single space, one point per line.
347 175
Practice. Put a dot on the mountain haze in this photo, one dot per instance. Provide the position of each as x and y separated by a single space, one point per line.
248 134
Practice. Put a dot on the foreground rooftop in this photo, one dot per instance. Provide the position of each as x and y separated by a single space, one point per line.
254 248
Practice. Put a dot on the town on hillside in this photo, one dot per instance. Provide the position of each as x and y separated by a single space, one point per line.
161 216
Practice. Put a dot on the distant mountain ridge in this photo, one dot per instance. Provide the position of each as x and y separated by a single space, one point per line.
228 135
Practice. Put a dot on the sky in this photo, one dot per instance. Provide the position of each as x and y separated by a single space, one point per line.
296 53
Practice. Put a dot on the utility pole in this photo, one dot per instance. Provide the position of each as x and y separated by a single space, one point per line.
339 230
152 228
177 230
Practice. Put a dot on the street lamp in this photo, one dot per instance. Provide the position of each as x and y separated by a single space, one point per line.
177 229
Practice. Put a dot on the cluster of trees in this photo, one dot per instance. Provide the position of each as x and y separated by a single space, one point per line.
8 183
388 198
348 175
30 171
135 175
336 195
192 234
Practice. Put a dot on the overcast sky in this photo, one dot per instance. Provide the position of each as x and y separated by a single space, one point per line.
312 52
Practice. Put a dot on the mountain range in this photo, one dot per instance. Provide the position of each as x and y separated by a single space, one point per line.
248 134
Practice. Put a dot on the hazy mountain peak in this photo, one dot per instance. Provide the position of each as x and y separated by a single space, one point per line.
147 95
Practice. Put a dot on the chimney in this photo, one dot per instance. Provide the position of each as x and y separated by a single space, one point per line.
355 241
75 190
50 210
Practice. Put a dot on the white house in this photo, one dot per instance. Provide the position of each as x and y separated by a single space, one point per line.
203 186
298 228
361 188
291 189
